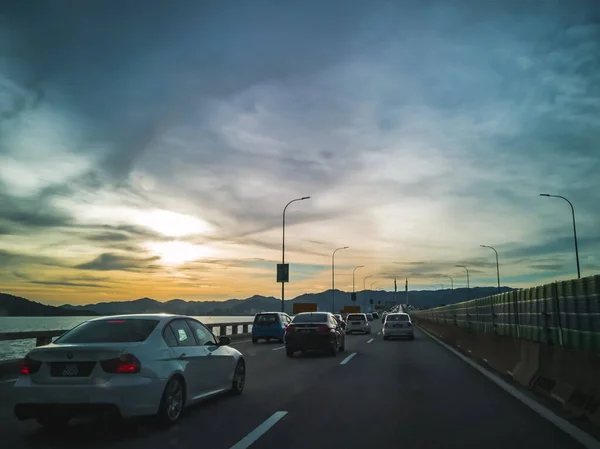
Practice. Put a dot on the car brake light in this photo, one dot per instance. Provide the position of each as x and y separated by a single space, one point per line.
290 329
29 366
323 329
125 364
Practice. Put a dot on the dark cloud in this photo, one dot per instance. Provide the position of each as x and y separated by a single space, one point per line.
27 214
108 237
114 262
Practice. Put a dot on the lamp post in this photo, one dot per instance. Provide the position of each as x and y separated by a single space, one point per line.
354 271
497 264
372 284
451 280
574 229
468 287
333 278
283 247
364 279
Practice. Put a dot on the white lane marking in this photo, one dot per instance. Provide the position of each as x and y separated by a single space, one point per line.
8 381
239 341
277 349
574 432
378 333
370 340
347 359
251 438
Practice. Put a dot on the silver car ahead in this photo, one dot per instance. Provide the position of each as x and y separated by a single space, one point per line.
127 366
398 325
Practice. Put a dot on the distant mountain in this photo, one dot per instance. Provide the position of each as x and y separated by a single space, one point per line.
11 305
248 306
258 303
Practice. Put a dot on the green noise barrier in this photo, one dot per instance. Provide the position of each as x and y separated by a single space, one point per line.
564 313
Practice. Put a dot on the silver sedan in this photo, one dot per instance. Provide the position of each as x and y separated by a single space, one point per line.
127 366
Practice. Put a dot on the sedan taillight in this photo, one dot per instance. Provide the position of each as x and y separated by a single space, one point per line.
29 366
290 329
125 364
324 329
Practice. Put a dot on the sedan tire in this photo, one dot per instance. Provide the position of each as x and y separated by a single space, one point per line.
239 378
171 403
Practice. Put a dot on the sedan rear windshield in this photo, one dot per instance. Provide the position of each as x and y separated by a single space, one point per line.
310 318
356 317
266 318
110 331
397 318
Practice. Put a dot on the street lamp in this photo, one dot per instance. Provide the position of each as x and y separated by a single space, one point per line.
333 278
574 229
497 264
283 246
451 280
364 279
468 287
354 271
372 284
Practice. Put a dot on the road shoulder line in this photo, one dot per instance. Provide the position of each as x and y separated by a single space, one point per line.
263 428
574 432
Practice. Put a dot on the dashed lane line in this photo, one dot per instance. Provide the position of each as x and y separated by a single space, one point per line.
347 359
251 438
371 340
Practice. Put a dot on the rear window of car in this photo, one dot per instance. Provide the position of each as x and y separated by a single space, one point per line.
356 317
397 318
310 318
109 331
266 318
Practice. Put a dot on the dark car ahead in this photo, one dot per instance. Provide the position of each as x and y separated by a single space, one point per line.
318 331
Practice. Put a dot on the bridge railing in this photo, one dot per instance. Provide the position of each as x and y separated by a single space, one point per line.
235 330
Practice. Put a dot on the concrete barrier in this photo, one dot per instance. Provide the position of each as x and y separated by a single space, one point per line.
569 376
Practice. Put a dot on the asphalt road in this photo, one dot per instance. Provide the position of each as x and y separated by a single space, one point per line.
390 394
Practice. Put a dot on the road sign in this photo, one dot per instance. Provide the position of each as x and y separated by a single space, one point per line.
283 272
353 297
371 301
300 307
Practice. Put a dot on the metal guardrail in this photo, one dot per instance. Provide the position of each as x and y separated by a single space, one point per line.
45 337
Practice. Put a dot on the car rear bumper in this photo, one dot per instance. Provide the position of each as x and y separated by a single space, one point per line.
309 342
399 332
350 329
270 333
127 397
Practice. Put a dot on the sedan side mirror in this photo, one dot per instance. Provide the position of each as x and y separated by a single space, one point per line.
224 341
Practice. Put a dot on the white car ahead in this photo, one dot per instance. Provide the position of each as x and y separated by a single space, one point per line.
127 366
398 325
357 322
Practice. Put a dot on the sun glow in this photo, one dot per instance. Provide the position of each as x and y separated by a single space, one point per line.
179 252
172 224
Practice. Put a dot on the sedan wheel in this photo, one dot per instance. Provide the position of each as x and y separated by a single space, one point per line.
171 404
239 378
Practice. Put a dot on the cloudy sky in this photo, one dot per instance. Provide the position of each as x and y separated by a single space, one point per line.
149 151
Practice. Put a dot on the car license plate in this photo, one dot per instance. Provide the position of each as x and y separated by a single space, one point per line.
356 323
70 370
305 330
